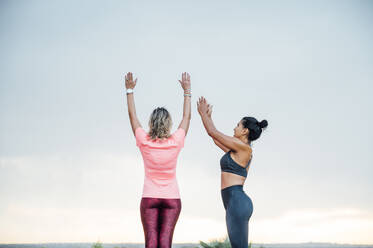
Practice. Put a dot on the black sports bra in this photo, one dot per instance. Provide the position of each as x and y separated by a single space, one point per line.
227 164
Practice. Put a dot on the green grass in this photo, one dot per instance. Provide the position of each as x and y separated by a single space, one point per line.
98 244
219 243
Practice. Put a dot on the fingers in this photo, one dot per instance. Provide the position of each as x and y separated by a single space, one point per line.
128 77
185 77
203 107
203 101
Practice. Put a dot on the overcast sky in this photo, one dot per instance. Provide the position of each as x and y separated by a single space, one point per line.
69 167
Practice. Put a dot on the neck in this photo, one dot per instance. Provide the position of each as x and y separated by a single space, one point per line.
245 140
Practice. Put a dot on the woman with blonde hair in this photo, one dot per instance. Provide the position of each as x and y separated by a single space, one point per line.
160 203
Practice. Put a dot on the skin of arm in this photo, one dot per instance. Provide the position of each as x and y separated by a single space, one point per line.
185 84
229 143
130 84
220 145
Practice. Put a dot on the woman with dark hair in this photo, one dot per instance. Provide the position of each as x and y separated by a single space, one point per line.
234 167
160 203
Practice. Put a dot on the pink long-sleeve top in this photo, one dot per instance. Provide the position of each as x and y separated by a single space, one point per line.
160 159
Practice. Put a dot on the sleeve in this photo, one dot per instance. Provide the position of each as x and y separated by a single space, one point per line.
179 136
140 135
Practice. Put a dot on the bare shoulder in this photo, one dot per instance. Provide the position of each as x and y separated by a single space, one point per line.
243 147
245 151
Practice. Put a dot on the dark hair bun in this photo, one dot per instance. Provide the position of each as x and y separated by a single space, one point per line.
263 124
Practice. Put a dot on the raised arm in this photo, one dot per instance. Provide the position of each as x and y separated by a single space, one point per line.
220 145
185 84
231 143
130 84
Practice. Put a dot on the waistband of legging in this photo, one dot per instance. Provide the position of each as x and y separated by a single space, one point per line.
233 187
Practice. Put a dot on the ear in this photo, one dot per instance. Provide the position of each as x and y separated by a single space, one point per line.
245 131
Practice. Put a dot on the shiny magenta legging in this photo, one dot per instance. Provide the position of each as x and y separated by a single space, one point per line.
159 217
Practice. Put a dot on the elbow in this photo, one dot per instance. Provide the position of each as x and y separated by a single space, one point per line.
211 132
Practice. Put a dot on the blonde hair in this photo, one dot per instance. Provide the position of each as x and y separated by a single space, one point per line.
159 123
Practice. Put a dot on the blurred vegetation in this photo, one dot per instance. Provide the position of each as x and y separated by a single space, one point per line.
219 243
98 244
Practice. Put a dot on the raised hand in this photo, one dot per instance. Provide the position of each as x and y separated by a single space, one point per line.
209 110
185 82
203 106
130 84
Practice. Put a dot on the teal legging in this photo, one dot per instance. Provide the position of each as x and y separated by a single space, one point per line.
238 210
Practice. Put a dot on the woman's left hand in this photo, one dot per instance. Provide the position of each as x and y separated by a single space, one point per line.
202 106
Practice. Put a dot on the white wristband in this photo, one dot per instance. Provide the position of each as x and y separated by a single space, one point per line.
129 91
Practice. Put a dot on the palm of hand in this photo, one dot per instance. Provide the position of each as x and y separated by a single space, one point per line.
130 83
185 81
203 107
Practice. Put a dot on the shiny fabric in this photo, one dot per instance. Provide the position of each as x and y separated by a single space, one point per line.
238 210
159 217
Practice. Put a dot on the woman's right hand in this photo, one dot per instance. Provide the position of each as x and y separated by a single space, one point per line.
130 84
185 82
